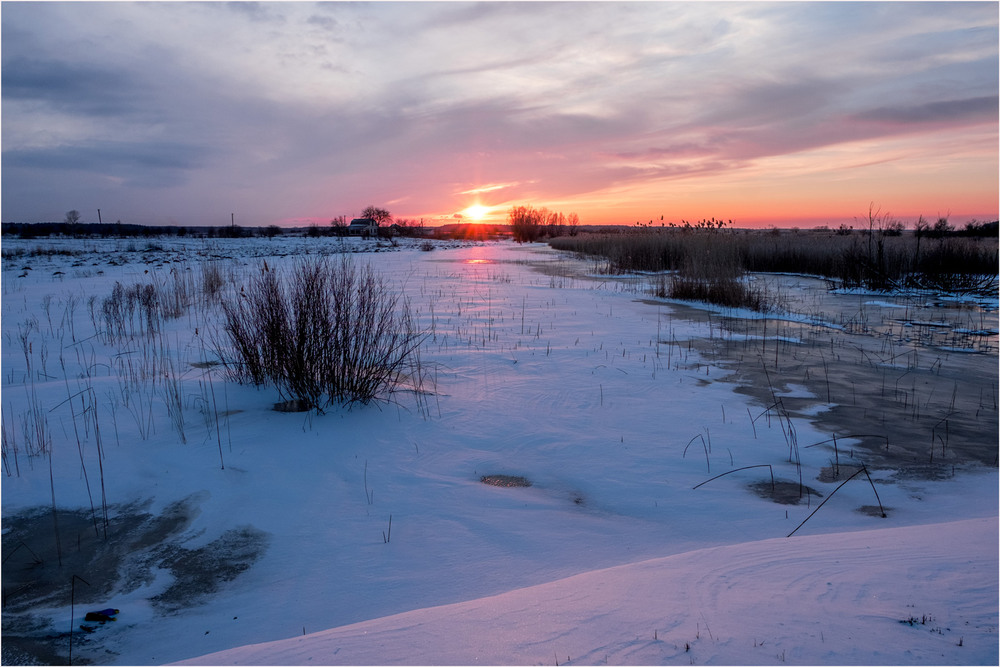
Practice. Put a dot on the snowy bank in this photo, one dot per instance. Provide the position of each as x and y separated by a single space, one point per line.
914 595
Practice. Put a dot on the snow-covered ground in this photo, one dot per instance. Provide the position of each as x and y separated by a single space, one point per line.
825 599
365 535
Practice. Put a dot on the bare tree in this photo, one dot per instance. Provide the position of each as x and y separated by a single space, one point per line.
72 217
526 222
556 222
573 220
381 216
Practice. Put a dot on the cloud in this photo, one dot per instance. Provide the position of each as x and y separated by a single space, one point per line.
154 164
679 150
260 12
69 87
326 23
492 187
300 110
975 109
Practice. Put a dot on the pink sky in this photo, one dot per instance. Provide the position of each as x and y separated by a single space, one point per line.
791 113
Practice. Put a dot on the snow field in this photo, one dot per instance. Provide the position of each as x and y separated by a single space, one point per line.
824 599
559 380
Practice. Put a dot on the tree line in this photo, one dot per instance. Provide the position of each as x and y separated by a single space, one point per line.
528 223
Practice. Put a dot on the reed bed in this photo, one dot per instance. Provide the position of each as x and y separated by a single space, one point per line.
876 259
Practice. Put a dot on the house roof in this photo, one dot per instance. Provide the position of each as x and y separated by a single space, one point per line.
363 222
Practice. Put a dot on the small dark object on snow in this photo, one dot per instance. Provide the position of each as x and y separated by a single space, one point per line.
102 616
294 405
505 480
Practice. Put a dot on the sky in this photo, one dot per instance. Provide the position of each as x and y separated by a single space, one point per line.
787 114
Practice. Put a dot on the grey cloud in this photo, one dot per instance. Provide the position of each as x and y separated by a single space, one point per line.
81 88
506 63
682 149
255 11
509 125
461 14
976 108
773 101
324 22
673 171
150 164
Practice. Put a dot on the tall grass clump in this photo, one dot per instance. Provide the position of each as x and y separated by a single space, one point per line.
712 273
131 311
328 333
212 280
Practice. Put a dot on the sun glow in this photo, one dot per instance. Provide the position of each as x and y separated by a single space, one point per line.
476 212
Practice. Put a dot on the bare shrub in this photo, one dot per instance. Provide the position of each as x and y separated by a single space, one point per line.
330 333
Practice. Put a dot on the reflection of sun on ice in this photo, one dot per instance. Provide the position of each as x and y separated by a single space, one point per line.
476 212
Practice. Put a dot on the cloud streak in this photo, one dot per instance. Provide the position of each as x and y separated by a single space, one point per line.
186 111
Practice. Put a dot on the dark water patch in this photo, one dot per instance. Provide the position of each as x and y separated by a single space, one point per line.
874 510
118 557
785 492
293 405
206 364
837 473
39 561
21 650
920 407
200 572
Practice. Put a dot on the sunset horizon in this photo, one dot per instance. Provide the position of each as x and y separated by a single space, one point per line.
798 114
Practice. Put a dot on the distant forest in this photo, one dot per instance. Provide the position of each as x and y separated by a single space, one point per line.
122 230
451 231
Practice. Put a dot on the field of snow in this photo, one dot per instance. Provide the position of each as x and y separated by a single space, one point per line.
365 536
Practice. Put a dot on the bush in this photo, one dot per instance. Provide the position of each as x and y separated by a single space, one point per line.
328 334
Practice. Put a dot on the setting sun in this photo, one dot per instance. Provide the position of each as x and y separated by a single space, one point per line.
476 212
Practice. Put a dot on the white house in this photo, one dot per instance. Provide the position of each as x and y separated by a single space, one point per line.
362 227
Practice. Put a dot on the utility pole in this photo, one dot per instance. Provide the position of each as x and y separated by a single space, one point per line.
99 221
232 219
